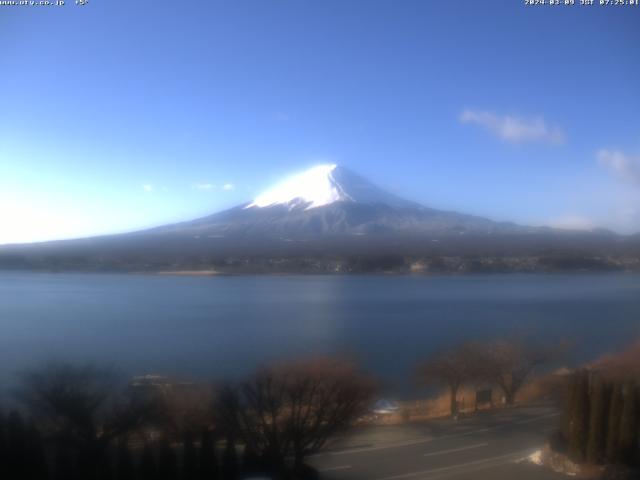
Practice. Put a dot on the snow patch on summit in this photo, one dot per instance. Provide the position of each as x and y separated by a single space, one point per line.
314 188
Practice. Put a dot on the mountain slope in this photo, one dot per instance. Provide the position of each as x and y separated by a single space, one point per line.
331 219
332 200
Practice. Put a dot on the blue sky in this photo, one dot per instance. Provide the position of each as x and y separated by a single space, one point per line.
120 115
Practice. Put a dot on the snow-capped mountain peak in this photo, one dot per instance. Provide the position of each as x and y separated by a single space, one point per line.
323 185
313 188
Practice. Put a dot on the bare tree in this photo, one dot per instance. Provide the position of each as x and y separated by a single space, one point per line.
83 408
226 413
452 368
509 363
294 410
325 398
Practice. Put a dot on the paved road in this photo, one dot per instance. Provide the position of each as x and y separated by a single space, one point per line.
488 445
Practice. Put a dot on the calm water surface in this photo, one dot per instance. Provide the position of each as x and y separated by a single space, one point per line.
212 327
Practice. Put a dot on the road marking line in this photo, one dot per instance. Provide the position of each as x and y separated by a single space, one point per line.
475 468
508 457
431 439
380 447
531 420
453 450
330 469
415 442
409 444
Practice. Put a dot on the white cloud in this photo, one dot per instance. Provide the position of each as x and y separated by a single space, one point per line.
514 129
212 186
204 186
147 187
623 165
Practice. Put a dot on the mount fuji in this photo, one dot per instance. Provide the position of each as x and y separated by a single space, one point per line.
330 200
328 219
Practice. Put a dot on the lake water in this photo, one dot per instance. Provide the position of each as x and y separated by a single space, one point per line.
214 327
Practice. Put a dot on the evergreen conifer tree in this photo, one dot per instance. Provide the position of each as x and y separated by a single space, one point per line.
600 397
167 461
189 458
3 446
104 467
17 446
230 470
125 469
148 469
579 417
63 463
629 424
208 462
37 468
613 433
